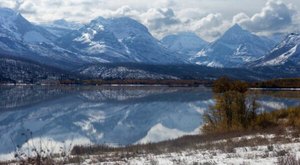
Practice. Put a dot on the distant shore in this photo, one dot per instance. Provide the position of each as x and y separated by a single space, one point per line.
125 82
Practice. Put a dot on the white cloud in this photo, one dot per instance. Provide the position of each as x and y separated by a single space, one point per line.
26 7
274 16
158 18
8 3
207 18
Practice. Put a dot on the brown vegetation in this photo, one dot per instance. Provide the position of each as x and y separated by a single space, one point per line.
286 118
278 83
234 112
231 111
225 142
225 84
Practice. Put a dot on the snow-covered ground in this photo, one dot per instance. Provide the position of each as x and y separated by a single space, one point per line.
261 154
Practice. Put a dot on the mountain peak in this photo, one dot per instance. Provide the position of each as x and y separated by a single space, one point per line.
236 34
291 40
187 33
99 19
120 22
236 29
293 35
237 26
64 24
124 19
236 47
185 43
60 22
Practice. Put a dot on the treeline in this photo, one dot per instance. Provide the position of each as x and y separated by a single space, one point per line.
137 82
278 83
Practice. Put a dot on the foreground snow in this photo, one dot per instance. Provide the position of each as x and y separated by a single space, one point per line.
263 154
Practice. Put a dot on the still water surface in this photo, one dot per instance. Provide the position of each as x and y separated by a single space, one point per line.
67 116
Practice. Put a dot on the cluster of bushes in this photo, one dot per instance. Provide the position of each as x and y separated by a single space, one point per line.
224 84
231 111
235 111
289 117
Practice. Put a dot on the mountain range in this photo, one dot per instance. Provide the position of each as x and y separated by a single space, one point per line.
234 48
87 49
117 40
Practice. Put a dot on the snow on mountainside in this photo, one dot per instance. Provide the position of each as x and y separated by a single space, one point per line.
23 71
186 43
121 72
19 37
286 53
236 47
124 40
14 26
118 40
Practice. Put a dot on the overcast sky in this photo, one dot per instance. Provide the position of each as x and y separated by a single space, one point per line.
208 18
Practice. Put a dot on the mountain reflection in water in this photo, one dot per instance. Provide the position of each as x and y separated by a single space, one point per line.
106 115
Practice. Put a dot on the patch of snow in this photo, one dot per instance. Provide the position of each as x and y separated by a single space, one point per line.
246 155
282 58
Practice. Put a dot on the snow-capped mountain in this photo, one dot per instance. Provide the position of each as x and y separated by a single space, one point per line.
61 27
16 31
235 48
124 41
118 40
20 38
285 53
14 26
186 43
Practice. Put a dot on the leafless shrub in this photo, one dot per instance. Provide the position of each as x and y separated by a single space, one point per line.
40 151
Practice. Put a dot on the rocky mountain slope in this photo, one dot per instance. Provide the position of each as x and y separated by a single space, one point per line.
117 40
287 53
235 48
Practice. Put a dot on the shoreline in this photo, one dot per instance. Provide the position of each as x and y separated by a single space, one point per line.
149 85
275 89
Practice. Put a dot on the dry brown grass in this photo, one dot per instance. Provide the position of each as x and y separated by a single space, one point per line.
226 142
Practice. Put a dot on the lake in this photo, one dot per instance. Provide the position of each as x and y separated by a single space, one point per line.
59 117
